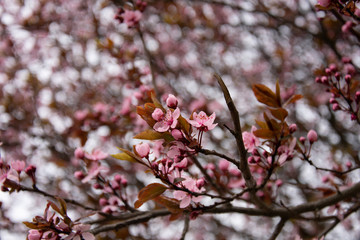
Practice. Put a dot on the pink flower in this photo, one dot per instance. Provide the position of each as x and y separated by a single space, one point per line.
96 155
81 232
81 114
34 234
168 121
202 122
18 165
224 165
312 136
158 114
171 101
324 3
131 18
250 140
142 149
186 198
94 171
79 153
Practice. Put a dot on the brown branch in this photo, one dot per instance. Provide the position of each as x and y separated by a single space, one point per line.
38 191
351 210
242 164
146 216
278 229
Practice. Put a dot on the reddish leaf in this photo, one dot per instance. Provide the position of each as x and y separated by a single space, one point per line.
31 225
279 113
264 133
171 204
268 122
153 135
149 192
293 99
261 124
264 95
127 156
278 96
156 102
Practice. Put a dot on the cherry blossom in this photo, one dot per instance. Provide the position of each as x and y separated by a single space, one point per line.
142 149
185 197
250 140
202 122
168 121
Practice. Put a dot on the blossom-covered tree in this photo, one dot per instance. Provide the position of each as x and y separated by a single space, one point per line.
203 119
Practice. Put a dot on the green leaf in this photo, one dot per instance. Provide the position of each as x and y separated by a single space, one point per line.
149 192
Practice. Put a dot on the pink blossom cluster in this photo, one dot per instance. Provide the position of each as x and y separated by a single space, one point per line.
170 160
339 84
112 187
10 174
51 226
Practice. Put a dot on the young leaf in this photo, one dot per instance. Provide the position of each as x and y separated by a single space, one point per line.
171 204
149 192
62 205
278 96
264 95
153 135
293 99
127 156
264 133
279 113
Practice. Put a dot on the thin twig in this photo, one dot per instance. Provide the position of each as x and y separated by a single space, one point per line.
278 229
186 227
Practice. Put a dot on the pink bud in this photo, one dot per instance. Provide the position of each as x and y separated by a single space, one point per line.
171 101
302 140
79 153
158 114
324 79
336 107
79 175
34 234
324 3
142 149
348 164
279 182
312 136
348 78
124 182
103 202
224 165
292 128
18 165
177 134
357 96
118 178
200 183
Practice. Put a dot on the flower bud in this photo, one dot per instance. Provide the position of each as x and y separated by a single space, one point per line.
103 202
324 3
171 101
142 149
158 114
336 107
200 183
177 134
348 78
224 165
302 140
79 153
279 183
79 175
357 96
292 128
312 136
